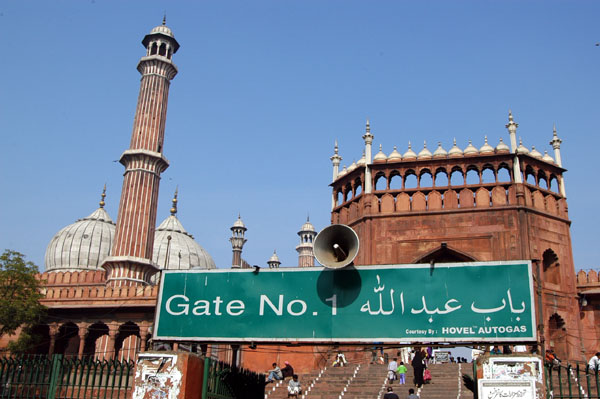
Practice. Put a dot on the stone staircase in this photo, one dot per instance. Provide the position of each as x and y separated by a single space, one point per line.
446 382
369 381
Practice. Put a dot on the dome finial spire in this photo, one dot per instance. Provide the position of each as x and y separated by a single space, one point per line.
102 203
164 18
174 201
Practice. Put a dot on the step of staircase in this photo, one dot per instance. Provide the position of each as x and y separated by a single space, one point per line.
369 381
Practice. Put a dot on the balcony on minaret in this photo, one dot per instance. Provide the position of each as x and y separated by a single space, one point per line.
161 41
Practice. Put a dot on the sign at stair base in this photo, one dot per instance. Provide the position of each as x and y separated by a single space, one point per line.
461 302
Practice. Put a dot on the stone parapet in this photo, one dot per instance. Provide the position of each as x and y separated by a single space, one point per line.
87 289
588 278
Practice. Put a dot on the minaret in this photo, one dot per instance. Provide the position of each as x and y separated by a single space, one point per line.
273 261
555 143
335 160
368 137
512 131
237 242
307 233
130 262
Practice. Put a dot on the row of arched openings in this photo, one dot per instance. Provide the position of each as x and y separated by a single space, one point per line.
161 49
425 179
96 344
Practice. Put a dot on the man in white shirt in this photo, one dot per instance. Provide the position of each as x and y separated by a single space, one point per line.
594 362
392 366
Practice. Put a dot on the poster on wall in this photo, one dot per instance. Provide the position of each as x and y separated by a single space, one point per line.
496 389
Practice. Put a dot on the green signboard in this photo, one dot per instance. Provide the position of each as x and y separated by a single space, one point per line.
459 302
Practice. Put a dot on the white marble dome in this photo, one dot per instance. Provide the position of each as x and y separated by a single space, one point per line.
176 249
163 29
82 245
307 226
183 251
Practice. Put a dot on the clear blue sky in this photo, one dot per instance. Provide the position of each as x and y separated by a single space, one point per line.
264 89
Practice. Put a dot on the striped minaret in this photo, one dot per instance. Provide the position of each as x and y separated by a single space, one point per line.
130 262
306 256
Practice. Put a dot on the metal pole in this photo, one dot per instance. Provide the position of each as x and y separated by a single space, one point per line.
541 333
205 378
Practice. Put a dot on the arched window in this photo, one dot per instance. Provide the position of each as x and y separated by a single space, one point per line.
395 181
154 49
551 267
410 180
357 188
504 174
530 176
339 198
457 178
473 175
487 175
542 180
425 180
347 195
163 49
380 182
441 178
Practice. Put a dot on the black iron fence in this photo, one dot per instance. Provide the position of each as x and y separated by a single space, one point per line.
61 377
571 381
221 381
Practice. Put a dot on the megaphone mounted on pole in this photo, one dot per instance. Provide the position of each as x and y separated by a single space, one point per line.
336 246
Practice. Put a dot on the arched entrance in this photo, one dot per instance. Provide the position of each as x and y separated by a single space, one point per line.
40 339
557 334
128 341
67 341
95 332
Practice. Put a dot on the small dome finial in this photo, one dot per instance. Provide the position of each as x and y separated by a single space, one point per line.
174 200
102 203
368 126
164 19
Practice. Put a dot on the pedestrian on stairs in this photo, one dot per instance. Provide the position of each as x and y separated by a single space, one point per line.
392 366
594 363
390 394
412 395
418 364
274 374
401 372
288 370
294 387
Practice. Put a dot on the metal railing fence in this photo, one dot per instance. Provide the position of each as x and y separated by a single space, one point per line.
221 381
571 381
62 377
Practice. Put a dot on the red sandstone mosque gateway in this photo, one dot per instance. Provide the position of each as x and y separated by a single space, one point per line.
492 203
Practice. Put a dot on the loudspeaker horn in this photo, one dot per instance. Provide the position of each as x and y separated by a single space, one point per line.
336 246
